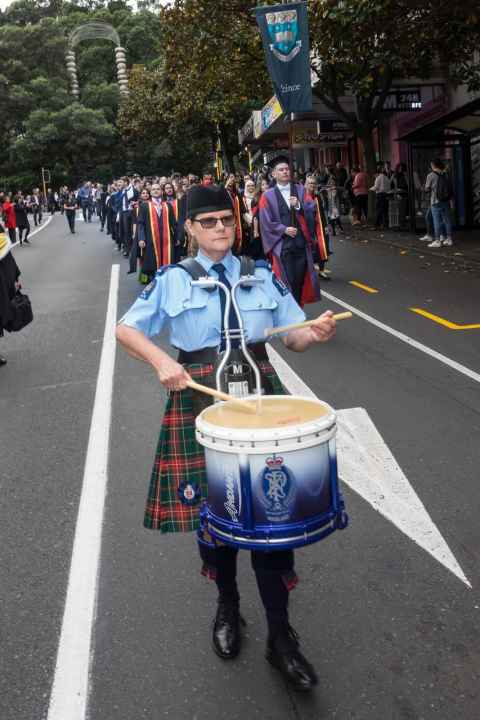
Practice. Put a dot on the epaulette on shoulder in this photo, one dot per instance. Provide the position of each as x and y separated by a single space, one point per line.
263 264
163 270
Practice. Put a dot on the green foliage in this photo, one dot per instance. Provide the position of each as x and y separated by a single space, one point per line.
212 77
198 71
362 46
41 125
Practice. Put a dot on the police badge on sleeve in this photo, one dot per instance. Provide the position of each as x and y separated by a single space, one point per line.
147 291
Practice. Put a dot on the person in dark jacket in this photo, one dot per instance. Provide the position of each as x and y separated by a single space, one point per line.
23 223
9 283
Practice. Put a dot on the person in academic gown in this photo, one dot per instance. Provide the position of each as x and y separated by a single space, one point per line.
232 189
156 228
9 282
286 237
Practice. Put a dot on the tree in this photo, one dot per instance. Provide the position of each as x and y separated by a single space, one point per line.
214 65
148 122
41 124
361 47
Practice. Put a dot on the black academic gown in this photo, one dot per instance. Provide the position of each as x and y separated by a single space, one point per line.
9 274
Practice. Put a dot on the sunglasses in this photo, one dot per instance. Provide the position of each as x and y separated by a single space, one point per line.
209 223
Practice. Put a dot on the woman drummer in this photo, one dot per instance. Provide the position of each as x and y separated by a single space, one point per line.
192 316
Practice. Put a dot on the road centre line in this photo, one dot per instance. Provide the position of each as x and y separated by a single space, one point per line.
69 695
362 286
406 339
442 321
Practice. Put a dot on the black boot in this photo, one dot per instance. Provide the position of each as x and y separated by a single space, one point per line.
221 563
283 652
227 638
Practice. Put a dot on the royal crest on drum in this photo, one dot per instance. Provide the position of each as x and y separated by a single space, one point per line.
278 487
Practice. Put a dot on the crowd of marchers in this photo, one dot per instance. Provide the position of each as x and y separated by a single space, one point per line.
145 215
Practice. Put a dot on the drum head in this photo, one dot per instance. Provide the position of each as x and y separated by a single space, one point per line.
274 412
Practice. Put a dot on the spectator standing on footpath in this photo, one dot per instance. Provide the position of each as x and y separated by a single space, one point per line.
382 188
360 193
334 205
400 188
439 186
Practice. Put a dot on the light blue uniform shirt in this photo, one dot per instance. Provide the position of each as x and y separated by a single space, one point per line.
192 315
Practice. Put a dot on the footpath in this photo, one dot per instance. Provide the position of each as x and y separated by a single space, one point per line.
464 252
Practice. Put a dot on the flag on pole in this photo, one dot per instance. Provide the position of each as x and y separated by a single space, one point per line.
284 30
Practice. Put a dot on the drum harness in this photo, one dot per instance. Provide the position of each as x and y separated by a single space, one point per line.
236 370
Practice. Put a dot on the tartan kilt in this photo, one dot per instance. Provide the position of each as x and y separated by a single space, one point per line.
180 459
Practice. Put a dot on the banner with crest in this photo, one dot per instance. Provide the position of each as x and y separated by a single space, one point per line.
284 30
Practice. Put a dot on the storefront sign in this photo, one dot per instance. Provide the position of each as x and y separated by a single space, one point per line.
403 100
246 132
306 135
257 123
270 112
332 124
333 138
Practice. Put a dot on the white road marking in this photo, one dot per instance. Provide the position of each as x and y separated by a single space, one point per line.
367 466
406 339
39 229
69 697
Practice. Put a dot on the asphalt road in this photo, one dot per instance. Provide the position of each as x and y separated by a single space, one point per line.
392 632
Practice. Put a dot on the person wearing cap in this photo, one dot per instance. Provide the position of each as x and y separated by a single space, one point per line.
285 235
193 318
9 283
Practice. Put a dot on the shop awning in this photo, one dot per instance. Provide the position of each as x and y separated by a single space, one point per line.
465 120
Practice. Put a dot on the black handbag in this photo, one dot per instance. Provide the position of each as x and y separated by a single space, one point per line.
20 312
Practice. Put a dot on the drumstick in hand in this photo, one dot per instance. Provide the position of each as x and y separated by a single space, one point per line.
307 323
241 404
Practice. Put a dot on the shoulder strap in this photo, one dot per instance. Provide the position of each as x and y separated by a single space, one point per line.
247 265
193 268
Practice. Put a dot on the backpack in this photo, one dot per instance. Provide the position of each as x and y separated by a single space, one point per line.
444 187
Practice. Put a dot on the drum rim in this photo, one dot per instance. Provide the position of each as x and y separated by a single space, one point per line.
278 433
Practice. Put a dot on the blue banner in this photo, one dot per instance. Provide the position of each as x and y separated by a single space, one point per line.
284 30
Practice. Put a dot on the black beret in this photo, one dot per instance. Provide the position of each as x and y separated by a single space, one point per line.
209 198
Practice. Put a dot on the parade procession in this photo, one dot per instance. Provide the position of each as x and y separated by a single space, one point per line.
239 375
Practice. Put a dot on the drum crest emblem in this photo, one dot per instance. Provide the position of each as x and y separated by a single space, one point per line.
278 488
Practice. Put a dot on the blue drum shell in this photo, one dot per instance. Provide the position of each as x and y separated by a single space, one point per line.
278 493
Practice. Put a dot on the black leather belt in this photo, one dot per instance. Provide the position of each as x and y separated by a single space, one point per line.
209 355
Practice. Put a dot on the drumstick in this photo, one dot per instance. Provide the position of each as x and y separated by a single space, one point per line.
222 396
307 323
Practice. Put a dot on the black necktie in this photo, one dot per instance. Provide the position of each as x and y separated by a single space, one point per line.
232 317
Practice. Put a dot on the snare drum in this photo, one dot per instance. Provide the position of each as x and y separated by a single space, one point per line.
272 476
